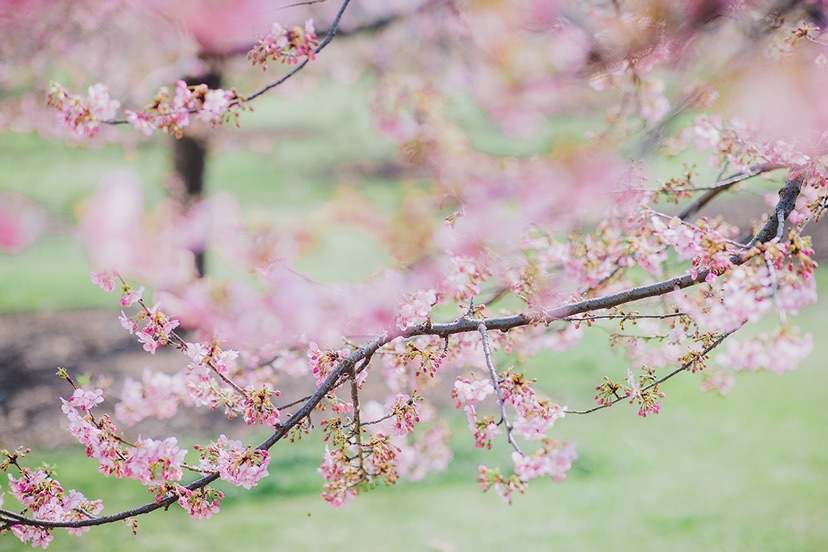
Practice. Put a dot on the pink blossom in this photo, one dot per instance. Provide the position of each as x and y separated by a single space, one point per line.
463 280
83 115
337 492
147 340
40 537
718 380
791 296
156 395
257 408
142 122
200 504
105 280
47 500
131 296
554 459
429 452
86 400
151 461
216 103
128 323
485 430
777 352
416 308
404 409
285 46
321 363
533 417
681 237
470 392
489 478
242 466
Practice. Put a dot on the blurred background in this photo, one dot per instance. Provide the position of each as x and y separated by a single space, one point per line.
748 471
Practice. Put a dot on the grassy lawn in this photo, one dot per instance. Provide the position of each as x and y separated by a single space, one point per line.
744 473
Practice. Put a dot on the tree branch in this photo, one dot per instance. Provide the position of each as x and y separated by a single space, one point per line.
325 41
722 186
787 199
661 380
487 352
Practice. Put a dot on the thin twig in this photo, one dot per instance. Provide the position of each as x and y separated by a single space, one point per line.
496 383
587 317
294 403
723 185
661 380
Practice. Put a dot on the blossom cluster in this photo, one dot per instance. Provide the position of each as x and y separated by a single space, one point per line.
321 362
417 308
156 395
553 459
778 352
533 416
353 467
285 45
38 491
242 466
462 283
467 394
83 115
170 111
404 410
147 460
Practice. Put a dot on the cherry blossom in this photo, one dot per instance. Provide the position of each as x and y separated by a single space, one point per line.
494 253
83 115
235 463
285 45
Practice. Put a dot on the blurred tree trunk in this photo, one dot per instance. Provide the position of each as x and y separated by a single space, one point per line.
189 159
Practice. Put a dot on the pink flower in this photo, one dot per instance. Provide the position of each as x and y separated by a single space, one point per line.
285 46
242 466
471 392
463 280
86 400
105 280
417 307
156 395
128 323
131 296
151 461
81 115
404 410
201 504
257 408
38 535
321 363
216 103
148 341
141 122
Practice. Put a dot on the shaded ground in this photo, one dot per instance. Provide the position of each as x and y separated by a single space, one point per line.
33 346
